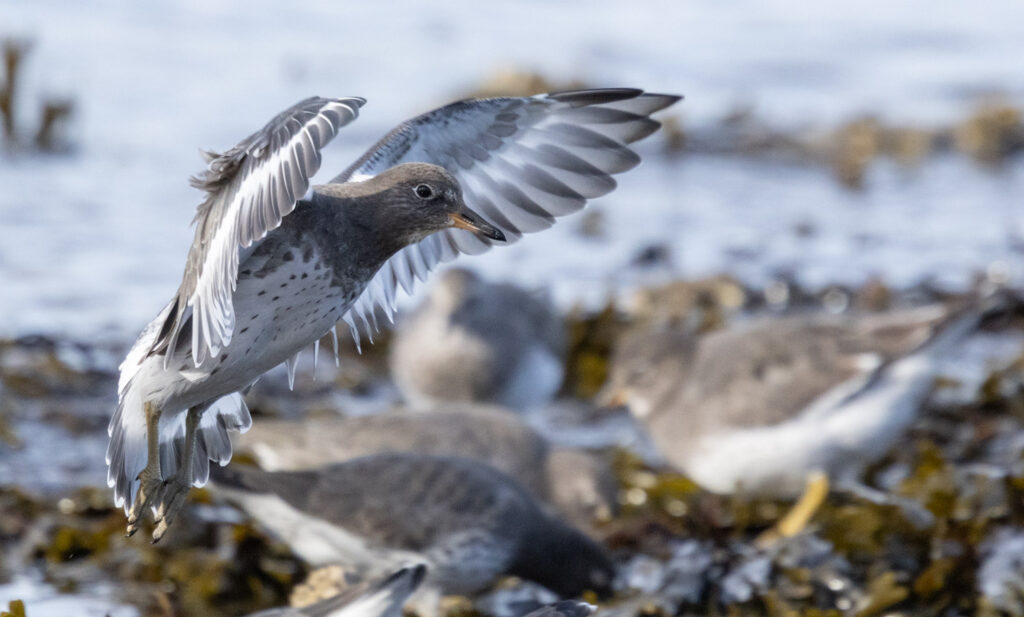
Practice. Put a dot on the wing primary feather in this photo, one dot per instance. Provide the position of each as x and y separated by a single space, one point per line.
334 341
291 364
316 356
249 189
521 162
599 96
353 330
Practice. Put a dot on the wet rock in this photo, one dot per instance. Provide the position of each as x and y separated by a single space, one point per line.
993 132
706 303
674 133
1001 574
688 572
592 224
34 366
853 147
874 295
642 573
321 584
652 255
748 578
990 134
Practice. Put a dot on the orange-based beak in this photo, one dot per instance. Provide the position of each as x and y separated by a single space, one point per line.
470 221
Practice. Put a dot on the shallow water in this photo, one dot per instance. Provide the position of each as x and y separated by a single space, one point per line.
93 242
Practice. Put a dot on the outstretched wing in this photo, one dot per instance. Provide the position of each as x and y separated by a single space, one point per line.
521 162
249 189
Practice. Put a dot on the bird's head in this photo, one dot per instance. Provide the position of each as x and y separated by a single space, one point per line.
418 199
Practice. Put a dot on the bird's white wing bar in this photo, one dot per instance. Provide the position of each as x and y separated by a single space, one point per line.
250 188
521 162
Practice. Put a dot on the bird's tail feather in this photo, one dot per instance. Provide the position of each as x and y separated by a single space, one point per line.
228 413
126 451
950 332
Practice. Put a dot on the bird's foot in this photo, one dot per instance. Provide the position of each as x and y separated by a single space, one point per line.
150 487
171 500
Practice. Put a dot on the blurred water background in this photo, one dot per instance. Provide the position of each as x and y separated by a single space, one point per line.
92 241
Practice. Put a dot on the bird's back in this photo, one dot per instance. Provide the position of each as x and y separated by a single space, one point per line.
770 370
475 432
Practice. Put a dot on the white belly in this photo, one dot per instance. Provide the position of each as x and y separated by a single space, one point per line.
776 460
277 314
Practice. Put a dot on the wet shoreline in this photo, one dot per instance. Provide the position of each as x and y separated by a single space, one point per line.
680 549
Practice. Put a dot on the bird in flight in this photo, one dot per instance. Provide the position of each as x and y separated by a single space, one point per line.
276 265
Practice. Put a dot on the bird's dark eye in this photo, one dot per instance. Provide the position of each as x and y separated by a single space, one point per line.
423 191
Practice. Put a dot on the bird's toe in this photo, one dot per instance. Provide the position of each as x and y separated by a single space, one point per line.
171 502
150 487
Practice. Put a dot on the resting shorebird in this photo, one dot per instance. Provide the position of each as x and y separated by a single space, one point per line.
384 597
579 485
271 271
778 404
467 521
472 340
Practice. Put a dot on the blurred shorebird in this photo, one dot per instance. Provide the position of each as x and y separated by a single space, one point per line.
579 485
274 268
467 521
782 404
383 597
475 341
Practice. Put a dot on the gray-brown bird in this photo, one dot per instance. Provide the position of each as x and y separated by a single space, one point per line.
580 485
472 340
468 522
273 269
775 404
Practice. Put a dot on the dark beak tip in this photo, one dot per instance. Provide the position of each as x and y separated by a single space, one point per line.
471 221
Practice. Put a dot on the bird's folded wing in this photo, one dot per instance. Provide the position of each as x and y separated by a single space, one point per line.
249 189
521 162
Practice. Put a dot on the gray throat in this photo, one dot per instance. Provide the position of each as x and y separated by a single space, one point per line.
353 237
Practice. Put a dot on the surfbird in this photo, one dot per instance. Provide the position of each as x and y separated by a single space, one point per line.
473 340
467 521
381 597
275 266
778 405
580 485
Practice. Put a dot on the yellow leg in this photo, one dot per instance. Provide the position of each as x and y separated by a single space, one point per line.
800 514
150 478
172 496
